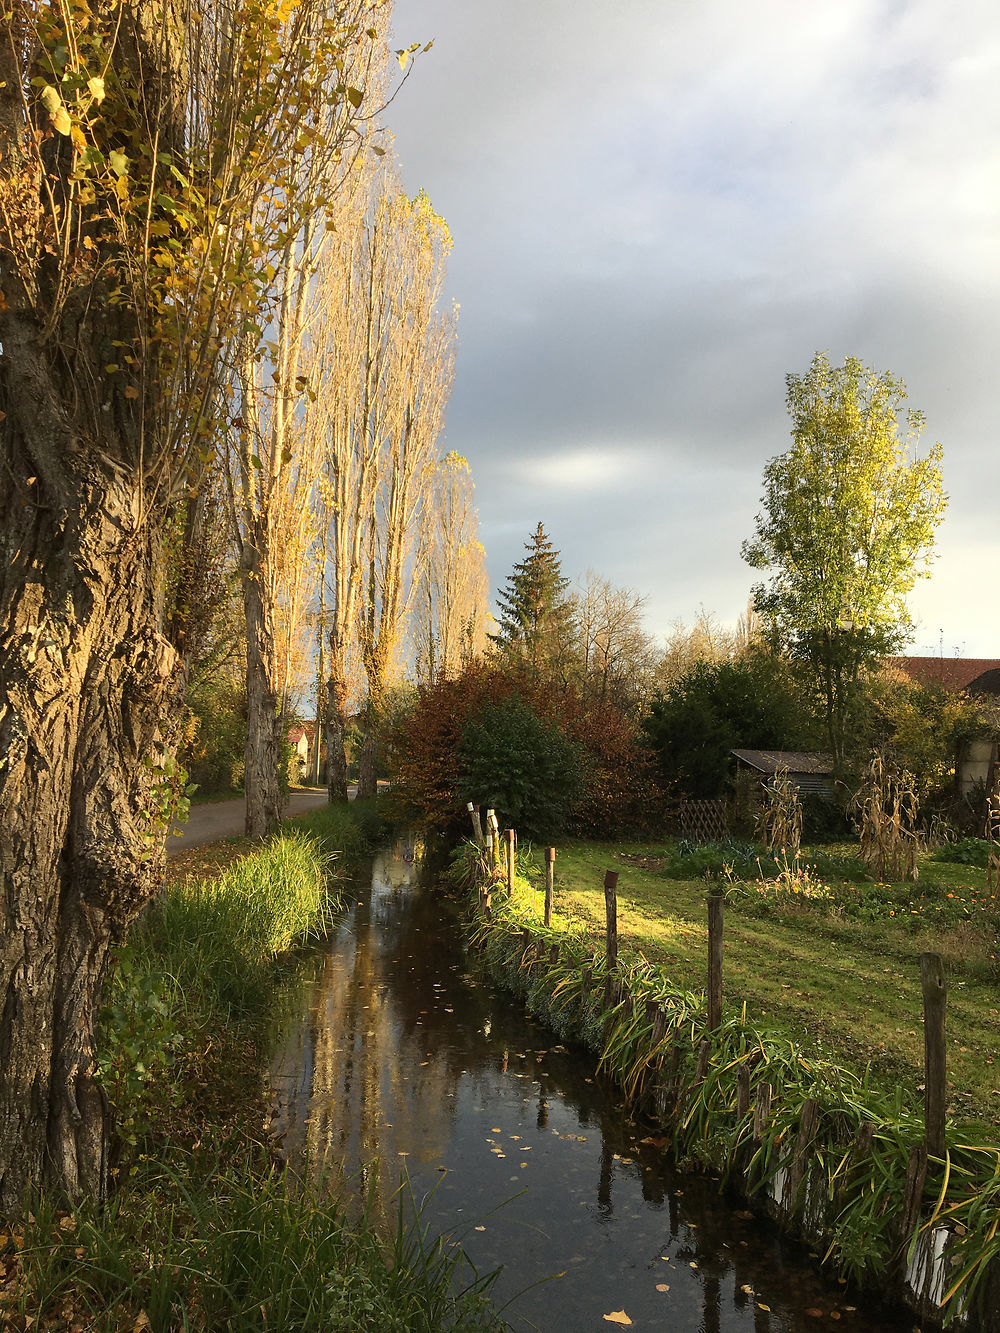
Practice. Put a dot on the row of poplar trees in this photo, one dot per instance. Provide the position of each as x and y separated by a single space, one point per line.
219 321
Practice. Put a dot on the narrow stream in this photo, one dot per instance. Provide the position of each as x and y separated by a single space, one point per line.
404 1055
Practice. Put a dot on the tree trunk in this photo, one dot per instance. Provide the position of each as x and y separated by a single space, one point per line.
368 770
86 680
336 751
265 720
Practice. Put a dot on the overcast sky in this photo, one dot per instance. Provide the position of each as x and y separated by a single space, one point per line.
662 207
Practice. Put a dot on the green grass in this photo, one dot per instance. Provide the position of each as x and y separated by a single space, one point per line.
833 966
204 1230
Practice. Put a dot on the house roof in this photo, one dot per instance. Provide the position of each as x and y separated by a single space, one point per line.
953 673
796 761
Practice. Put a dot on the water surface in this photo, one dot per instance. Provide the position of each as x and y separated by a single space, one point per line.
404 1055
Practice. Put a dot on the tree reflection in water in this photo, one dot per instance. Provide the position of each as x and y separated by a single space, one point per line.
403 1056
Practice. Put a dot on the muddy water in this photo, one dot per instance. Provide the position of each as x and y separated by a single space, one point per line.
403 1055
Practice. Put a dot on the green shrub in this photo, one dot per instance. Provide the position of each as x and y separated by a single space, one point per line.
965 852
523 768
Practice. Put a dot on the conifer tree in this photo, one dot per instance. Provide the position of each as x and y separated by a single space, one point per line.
535 621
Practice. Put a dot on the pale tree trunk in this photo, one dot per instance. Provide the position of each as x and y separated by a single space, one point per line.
336 752
265 720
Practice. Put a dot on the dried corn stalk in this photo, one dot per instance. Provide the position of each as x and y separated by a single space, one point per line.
887 807
780 817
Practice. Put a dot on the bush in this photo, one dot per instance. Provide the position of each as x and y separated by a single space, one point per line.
618 794
965 852
523 768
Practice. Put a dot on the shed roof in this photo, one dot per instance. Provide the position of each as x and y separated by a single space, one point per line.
796 761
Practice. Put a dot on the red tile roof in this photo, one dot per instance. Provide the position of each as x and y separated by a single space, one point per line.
954 673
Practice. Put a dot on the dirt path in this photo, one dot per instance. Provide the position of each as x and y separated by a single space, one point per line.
224 819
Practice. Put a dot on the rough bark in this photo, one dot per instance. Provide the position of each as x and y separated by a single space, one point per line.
336 752
85 681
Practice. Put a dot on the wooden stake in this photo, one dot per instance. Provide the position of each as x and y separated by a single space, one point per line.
510 860
611 917
715 910
550 879
477 824
935 1058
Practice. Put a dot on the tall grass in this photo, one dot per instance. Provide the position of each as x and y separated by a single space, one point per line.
844 1179
202 1233
248 1254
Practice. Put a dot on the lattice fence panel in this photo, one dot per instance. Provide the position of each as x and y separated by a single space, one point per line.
703 821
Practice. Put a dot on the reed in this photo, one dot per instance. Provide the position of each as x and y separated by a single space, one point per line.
830 1148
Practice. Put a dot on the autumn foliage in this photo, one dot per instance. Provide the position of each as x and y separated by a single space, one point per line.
619 793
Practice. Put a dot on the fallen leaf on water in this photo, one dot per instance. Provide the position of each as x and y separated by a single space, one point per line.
617 1317
747 1217
693 1264
834 1314
747 1289
813 1313
663 1286
480 1228
762 1306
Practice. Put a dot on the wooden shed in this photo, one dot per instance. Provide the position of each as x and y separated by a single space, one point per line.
810 772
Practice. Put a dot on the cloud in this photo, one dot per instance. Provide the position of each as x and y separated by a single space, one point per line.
660 211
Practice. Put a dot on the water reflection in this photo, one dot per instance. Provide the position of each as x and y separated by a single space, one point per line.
404 1056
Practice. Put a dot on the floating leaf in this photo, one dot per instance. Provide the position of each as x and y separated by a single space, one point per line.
617 1317
663 1286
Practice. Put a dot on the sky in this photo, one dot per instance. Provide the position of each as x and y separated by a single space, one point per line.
661 208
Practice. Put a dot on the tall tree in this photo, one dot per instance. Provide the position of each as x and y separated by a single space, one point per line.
148 180
535 627
617 656
848 525
449 614
276 450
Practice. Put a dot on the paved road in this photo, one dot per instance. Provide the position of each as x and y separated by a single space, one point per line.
225 819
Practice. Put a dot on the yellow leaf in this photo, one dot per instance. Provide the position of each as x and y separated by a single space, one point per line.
95 87
131 391
617 1317
61 122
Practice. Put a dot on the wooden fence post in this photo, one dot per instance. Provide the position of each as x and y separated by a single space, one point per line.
510 860
935 1059
492 839
610 931
715 910
611 917
550 879
477 824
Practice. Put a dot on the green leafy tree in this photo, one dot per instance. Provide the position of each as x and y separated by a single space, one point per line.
535 625
848 524
753 701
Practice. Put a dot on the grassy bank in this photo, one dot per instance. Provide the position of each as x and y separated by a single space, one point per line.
205 1230
823 956
837 1149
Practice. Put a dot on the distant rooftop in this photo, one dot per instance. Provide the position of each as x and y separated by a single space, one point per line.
978 675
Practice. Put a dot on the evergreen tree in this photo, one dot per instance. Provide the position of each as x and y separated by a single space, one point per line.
535 621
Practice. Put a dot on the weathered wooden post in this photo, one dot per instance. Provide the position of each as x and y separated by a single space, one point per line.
511 838
477 824
610 931
935 1058
715 911
493 839
550 878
